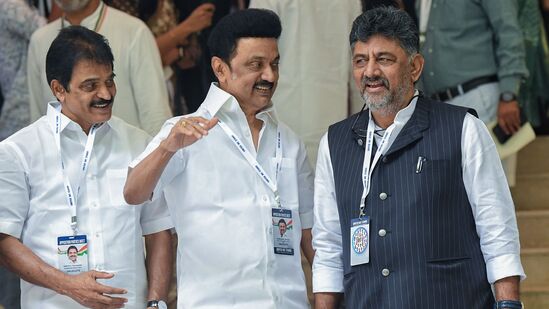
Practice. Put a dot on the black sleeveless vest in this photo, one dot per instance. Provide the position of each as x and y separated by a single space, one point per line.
424 248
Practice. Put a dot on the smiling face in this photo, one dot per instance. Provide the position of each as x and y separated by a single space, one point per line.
385 74
90 95
282 228
72 254
253 72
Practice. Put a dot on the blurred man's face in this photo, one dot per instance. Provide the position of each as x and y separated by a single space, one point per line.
71 5
73 254
90 96
253 73
282 228
384 73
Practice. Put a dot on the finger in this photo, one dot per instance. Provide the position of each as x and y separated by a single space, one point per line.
199 124
106 289
212 123
105 301
100 274
503 125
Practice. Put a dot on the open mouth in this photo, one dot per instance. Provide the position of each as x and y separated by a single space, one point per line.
374 84
101 104
264 87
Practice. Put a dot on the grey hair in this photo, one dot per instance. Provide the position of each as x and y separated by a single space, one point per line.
388 22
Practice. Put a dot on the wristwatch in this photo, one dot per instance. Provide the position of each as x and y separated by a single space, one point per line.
160 304
508 304
507 96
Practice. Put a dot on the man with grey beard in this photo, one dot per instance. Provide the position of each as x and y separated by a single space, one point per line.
142 99
412 209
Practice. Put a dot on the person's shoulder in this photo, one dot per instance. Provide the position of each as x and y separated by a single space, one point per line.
46 34
125 21
125 129
33 132
438 106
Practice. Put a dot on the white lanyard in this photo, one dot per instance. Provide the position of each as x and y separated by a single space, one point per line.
253 162
367 167
71 197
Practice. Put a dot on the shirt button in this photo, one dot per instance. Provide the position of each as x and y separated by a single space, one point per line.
430 50
385 272
382 232
383 196
431 73
92 177
264 198
385 159
94 205
434 5
97 235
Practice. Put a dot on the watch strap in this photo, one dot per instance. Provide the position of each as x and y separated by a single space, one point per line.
508 304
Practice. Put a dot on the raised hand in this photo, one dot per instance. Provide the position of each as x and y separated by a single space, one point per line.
200 18
186 132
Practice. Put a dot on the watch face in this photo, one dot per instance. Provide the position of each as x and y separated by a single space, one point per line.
162 305
508 96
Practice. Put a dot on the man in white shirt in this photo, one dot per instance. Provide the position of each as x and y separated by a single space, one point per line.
61 182
142 99
428 221
227 191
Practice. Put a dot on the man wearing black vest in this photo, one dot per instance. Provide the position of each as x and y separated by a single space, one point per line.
427 220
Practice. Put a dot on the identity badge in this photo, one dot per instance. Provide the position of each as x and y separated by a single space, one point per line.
72 253
360 241
283 231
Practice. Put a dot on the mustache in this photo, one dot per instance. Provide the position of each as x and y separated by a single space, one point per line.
264 83
101 102
376 79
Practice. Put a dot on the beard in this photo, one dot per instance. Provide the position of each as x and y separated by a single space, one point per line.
392 100
71 5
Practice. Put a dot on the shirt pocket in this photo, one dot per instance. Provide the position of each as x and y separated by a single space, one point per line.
287 182
116 178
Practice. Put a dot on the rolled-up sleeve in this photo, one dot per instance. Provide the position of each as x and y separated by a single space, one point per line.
155 216
491 202
172 169
14 190
328 263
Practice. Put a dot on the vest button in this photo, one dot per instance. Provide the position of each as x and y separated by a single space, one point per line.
382 232
383 196
385 272
385 159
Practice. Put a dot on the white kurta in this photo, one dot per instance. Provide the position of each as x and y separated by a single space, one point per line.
141 97
222 212
313 89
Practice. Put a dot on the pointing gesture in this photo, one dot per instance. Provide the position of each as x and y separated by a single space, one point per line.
187 131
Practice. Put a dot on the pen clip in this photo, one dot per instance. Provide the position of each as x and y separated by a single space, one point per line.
419 165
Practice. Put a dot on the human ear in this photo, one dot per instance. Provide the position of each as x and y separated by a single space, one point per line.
417 66
58 90
220 69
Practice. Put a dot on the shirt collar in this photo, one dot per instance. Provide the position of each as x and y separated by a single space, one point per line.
405 114
66 122
218 99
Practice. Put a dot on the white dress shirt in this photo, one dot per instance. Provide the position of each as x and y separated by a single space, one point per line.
34 206
315 64
486 188
222 212
141 97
